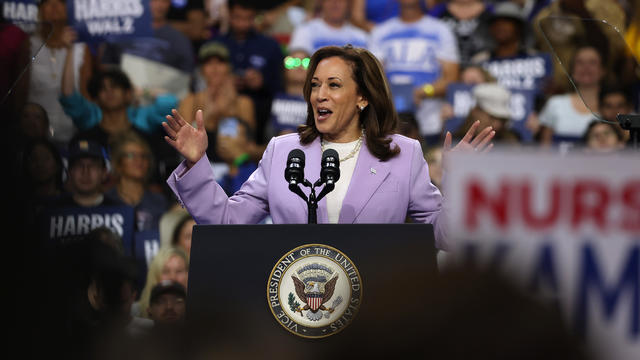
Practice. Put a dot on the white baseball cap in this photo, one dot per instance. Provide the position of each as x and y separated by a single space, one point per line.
494 99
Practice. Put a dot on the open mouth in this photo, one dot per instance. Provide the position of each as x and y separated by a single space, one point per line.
323 114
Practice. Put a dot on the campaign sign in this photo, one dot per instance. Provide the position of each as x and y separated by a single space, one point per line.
69 224
145 247
23 13
521 72
564 227
98 20
460 97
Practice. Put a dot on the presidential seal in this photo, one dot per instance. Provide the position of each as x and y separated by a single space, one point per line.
314 291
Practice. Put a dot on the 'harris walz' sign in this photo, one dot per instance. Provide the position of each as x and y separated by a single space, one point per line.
69 224
96 20
23 13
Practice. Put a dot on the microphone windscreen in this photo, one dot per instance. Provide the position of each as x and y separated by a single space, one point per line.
331 153
296 153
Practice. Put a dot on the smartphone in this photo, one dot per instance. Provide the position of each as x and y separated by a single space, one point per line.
228 127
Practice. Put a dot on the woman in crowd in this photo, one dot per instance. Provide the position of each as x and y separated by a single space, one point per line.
132 163
219 100
47 69
170 263
565 117
182 234
350 110
603 137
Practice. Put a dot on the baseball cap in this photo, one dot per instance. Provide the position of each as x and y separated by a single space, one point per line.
494 99
167 287
213 49
85 148
507 10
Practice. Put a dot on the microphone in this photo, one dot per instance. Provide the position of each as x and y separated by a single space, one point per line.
330 170
294 172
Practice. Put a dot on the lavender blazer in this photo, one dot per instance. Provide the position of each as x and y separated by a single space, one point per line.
379 192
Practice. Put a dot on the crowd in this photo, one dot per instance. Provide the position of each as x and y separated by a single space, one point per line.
84 126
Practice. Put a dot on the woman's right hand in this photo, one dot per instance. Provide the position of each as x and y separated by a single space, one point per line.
190 142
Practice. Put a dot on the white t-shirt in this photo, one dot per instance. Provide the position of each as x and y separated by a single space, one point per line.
411 54
335 197
316 33
560 115
45 85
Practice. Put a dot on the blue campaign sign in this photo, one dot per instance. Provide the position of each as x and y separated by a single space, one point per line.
68 224
460 97
145 247
528 72
98 20
23 13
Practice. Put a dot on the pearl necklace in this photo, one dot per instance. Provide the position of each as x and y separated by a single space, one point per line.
352 153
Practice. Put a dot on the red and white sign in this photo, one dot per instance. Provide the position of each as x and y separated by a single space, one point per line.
566 226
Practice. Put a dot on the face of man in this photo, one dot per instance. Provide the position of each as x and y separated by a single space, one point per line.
167 309
614 104
241 19
86 176
112 97
159 9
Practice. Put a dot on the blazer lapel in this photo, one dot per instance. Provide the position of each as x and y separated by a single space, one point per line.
368 174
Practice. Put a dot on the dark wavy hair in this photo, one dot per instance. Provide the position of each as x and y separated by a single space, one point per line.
379 119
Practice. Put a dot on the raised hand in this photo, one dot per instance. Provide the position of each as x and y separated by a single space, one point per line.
479 143
190 142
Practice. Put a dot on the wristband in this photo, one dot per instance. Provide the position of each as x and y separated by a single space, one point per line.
241 159
429 90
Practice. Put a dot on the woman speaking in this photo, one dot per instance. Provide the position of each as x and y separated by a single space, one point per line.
383 176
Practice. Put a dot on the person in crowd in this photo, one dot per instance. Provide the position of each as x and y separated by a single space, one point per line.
350 110
256 61
190 18
469 21
34 122
510 58
167 303
615 100
367 14
14 59
603 137
493 111
289 109
43 173
564 118
111 110
433 156
428 63
131 162
232 147
565 25
167 45
55 40
219 100
87 172
170 263
332 27
182 232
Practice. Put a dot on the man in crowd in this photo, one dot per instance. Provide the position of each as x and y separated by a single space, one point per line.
419 52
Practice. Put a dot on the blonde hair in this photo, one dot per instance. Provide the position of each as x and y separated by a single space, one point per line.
154 272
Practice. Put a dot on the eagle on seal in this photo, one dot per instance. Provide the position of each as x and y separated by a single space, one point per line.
311 295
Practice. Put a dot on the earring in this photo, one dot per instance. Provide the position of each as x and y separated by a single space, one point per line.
361 107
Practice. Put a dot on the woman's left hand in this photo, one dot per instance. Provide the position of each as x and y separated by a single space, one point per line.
470 143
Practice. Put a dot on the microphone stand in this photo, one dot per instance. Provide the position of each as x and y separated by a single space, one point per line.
312 200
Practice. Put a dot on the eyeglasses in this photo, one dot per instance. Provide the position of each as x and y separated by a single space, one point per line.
294 62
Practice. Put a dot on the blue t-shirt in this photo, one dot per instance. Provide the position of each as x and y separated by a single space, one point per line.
287 112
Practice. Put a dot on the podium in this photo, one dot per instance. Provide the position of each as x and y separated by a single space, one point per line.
236 271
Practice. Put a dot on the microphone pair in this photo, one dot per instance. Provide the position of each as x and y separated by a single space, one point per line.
329 171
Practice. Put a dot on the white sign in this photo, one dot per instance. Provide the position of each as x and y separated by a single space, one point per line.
565 227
